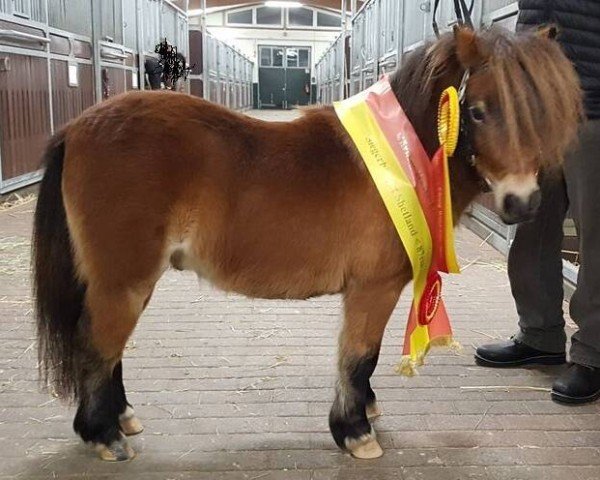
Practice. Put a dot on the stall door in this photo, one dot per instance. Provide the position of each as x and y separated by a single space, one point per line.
271 77
357 52
390 17
371 45
24 114
297 77
418 17
284 77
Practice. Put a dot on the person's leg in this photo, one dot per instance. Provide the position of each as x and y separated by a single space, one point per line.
535 273
580 383
582 173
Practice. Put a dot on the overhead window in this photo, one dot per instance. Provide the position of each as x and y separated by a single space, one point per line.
300 17
327 20
287 57
242 17
292 57
278 57
303 58
268 16
265 57
297 57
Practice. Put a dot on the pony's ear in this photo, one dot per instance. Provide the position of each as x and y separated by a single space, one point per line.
468 47
548 31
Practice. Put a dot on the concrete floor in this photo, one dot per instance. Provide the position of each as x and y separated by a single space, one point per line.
231 388
275 115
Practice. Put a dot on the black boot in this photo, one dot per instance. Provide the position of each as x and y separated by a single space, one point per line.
515 354
579 384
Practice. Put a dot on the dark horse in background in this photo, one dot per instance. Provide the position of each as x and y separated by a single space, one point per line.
166 70
272 210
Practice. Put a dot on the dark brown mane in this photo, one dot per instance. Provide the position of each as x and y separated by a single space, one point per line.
416 95
538 90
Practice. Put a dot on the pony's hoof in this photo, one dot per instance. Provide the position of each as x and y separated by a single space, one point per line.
373 411
367 451
117 451
131 426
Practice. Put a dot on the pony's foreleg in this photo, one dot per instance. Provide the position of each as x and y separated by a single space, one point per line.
128 422
367 311
103 412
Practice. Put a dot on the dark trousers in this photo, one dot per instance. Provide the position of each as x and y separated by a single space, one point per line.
535 265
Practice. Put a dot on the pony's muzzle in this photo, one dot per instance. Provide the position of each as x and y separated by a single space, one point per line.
517 196
517 209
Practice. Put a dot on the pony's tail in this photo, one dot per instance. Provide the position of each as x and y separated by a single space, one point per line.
59 295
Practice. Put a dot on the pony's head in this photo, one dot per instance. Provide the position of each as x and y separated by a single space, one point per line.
521 108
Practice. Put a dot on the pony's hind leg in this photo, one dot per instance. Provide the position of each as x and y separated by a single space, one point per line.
111 316
367 311
128 421
97 419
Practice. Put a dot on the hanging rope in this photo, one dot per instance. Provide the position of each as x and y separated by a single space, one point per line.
463 15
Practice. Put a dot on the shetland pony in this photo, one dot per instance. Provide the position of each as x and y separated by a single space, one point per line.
272 210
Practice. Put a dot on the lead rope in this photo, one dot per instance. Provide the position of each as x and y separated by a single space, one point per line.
463 15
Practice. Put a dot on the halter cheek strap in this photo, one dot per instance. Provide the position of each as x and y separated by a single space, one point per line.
462 88
466 148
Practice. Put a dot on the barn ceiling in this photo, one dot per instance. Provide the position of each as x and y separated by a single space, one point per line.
194 4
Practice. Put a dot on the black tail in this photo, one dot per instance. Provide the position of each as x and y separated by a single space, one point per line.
58 292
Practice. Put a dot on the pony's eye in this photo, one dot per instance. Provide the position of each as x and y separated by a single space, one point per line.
477 113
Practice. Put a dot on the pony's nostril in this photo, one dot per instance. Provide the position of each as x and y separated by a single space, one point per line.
512 204
517 209
535 200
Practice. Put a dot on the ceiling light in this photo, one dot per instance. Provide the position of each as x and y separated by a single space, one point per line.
282 3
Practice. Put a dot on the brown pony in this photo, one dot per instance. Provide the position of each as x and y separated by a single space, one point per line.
271 210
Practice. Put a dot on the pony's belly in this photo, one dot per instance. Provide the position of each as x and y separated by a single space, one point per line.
277 287
273 278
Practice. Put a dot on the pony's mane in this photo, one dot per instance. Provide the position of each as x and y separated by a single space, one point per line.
538 90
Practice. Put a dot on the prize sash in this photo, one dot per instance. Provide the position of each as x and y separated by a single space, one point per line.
416 194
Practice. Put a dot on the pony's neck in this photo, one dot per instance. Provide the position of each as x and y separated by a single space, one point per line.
419 94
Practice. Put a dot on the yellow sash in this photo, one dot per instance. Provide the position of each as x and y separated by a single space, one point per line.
396 190
365 117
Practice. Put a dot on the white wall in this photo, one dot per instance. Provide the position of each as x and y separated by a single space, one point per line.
247 40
